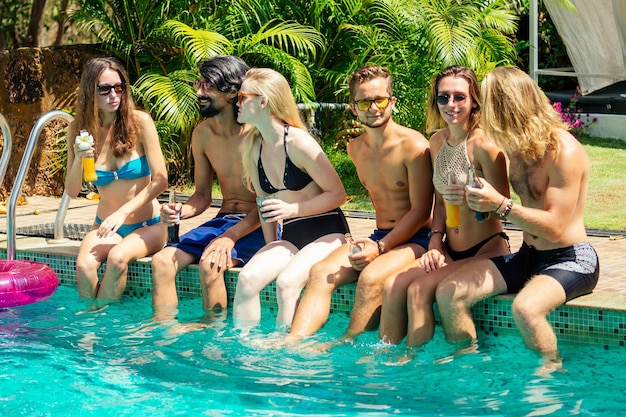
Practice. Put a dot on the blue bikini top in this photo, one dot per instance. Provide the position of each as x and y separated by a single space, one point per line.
294 178
133 169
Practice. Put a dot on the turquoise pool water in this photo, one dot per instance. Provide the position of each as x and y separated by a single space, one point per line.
117 363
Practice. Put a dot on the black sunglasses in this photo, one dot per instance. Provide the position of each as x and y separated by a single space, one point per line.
444 99
105 89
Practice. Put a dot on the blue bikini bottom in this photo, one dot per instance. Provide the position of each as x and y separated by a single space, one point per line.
127 229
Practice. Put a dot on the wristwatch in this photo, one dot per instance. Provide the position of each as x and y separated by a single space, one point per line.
434 232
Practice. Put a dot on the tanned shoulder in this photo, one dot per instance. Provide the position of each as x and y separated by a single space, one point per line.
413 141
355 144
483 145
201 134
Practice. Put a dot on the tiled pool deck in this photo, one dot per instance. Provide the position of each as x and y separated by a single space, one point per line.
598 318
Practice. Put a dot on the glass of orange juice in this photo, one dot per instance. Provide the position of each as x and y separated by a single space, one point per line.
85 141
453 215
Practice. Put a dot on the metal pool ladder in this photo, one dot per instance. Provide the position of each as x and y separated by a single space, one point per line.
21 174
6 151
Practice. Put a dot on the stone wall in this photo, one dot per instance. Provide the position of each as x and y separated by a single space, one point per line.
34 82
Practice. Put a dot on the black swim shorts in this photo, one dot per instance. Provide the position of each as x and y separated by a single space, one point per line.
575 267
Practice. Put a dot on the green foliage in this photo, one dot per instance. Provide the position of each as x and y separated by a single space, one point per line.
358 198
180 110
23 25
126 28
316 44
14 19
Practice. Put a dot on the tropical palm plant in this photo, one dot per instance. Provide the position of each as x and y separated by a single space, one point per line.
169 93
161 53
470 33
413 38
128 29
315 43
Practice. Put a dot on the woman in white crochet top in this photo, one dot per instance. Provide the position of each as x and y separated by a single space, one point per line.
457 147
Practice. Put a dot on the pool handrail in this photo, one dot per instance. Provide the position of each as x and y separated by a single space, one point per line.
6 150
341 107
21 173
59 220
314 109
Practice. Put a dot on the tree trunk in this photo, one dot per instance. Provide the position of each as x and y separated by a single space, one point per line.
61 22
35 26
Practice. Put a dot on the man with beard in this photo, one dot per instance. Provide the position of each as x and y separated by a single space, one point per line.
233 236
393 164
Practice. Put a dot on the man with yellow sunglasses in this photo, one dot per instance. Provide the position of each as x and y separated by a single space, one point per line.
393 164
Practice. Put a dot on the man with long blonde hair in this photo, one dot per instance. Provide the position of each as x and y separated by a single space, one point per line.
549 170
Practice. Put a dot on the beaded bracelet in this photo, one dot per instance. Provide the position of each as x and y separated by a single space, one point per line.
381 247
507 209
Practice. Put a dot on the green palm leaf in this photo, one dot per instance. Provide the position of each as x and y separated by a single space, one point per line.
196 44
295 71
170 97
290 37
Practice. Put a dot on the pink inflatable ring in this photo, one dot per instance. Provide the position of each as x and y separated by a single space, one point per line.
25 282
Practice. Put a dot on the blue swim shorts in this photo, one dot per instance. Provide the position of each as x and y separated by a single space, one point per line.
421 237
127 229
196 240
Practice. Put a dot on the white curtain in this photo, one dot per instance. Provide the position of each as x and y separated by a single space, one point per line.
619 10
595 38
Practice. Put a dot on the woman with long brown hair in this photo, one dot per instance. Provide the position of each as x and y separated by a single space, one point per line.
130 172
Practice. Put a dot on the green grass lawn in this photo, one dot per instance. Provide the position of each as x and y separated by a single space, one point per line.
606 196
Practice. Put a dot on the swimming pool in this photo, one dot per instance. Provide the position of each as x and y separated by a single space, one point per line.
117 363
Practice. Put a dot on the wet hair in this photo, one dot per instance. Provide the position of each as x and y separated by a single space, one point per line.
125 128
518 115
367 73
225 73
434 120
280 103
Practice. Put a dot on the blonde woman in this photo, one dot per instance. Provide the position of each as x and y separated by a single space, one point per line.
131 174
287 164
